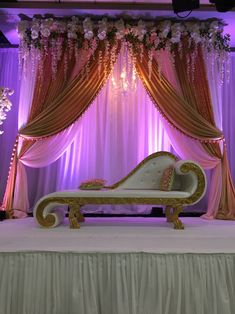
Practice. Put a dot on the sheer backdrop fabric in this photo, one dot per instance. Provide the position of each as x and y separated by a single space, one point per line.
126 128
66 159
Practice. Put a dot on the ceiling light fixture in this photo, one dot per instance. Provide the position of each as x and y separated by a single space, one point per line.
223 6
185 5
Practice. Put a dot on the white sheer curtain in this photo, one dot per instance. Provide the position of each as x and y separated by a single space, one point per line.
228 115
118 130
8 78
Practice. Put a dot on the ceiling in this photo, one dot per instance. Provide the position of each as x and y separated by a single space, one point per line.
10 11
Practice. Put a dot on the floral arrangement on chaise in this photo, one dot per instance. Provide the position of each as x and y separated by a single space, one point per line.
92 184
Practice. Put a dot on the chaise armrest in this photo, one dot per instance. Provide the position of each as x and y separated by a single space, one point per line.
193 180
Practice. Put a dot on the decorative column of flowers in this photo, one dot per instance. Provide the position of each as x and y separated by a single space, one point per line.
5 104
39 37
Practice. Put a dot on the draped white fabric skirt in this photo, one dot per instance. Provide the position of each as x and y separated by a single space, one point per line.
116 283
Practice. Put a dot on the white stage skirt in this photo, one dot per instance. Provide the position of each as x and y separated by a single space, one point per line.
129 266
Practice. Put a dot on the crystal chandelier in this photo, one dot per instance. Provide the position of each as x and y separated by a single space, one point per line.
5 104
126 80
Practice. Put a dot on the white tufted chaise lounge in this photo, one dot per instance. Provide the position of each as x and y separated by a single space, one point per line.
140 186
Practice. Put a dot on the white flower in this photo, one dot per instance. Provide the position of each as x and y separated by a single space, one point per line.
165 27
196 37
156 42
141 30
88 28
165 33
88 35
175 37
75 19
45 32
120 26
34 34
102 35
22 26
61 27
87 25
102 29
72 35
178 27
193 27
214 25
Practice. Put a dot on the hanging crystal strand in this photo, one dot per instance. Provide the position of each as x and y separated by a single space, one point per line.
71 48
159 61
129 60
59 42
113 56
100 57
45 45
150 55
76 52
126 67
220 57
93 48
134 72
65 64
106 58
192 65
227 66
180 49
188 64
141 52
20 57
87 70
40 57
33 59
53 58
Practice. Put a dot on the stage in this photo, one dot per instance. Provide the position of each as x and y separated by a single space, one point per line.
118 266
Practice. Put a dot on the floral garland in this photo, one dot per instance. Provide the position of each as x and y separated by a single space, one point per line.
42 35
5 104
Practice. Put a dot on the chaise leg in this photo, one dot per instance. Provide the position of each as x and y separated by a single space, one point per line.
169 215
75 216
80 216
177 222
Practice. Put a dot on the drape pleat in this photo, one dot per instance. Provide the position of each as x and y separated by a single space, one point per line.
117 283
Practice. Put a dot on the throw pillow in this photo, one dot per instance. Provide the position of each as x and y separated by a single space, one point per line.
167 179
92 184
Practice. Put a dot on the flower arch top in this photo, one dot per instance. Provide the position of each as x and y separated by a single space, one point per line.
54 34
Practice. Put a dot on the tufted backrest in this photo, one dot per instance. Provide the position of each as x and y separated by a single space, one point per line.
149 174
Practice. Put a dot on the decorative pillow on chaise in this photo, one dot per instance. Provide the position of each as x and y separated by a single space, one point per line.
167 179
92 184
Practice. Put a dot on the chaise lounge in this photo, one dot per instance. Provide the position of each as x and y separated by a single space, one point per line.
160 179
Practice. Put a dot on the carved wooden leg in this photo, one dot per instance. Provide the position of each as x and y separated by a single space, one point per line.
74 215
177 222
169 215
80 216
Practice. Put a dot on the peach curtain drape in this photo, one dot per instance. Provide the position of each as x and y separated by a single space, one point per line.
57 104
174 108
190 113
195 87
